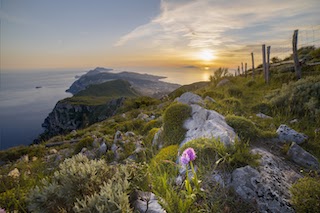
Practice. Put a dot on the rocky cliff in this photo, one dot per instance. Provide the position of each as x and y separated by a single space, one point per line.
66 117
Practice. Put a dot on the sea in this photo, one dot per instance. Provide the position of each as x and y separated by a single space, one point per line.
27 97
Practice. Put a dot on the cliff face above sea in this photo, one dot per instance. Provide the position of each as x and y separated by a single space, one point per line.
66 117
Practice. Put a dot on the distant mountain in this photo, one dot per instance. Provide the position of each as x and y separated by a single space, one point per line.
145 84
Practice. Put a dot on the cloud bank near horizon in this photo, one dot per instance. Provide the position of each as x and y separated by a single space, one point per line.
223 26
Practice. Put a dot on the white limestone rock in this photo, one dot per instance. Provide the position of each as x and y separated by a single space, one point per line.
190 98
146 202
208 124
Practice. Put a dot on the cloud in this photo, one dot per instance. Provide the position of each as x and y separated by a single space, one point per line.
224 26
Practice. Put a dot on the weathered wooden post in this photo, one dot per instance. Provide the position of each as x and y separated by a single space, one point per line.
245 69
297 66
252 58
238 70
268 64
264 62
242 68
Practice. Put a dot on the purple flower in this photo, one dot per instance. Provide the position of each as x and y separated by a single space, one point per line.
2 210
187 156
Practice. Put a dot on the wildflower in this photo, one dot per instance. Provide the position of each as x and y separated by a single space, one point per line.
187 156
2 210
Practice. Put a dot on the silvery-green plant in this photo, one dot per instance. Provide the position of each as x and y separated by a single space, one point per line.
81 181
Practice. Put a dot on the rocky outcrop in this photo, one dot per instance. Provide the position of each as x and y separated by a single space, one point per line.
66 117
287 134
205 123
303 158
267 185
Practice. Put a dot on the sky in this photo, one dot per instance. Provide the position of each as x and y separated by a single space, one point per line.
186 34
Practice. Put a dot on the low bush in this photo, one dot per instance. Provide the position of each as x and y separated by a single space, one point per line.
306 195
173 119
83 143
300 98
213 94
246 129
235 92
83 185
227 157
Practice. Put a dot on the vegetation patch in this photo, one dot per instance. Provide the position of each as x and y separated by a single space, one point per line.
306 194
246 129
173 119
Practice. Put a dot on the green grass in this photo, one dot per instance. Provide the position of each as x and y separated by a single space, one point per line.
98 94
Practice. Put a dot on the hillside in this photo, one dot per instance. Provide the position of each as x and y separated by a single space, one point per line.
255 148
145 84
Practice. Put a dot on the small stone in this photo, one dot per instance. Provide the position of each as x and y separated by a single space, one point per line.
14 173
223 82
303 158
143 116
25 158
129 134
210 99
74 132
117 136
53 151
103 148
34 158
294 121
287 134
263 116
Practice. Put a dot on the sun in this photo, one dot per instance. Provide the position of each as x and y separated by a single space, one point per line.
206 55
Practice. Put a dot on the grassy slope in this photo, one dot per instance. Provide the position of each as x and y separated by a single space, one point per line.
99 94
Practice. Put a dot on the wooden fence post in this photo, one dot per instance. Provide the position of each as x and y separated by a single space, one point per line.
252 57
297 66
238 70
264 62
245 69
268 65
242 68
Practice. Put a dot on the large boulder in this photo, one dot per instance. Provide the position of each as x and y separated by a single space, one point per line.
287 134
268 184
301 157
208 124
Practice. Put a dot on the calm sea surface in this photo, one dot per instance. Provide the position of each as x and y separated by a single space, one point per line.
23 108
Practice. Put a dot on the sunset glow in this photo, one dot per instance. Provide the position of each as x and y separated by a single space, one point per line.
206 55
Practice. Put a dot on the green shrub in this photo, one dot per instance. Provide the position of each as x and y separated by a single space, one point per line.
84 142
79 184
17 152
164 161
235 92
173 119
151 124
300 98
227 157
265 108
251 83
232 102
246 129
306 195
213 94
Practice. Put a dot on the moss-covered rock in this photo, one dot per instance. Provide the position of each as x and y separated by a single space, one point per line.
173 119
